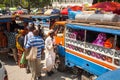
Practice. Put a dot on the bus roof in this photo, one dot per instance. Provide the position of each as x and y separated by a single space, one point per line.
46 16
115 31
6 18
9 18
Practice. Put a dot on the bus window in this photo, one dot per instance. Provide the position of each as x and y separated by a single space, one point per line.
59 29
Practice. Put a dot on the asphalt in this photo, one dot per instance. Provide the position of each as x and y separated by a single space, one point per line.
17 73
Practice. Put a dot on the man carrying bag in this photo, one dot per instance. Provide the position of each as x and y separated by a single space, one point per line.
36 46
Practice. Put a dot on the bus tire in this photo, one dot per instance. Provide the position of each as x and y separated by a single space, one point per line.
60 65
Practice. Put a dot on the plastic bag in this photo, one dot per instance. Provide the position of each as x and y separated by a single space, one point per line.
23 60
33 54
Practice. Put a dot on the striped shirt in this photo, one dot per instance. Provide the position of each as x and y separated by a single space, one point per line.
36 41
27 37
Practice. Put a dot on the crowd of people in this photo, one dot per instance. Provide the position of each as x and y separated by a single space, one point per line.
31 42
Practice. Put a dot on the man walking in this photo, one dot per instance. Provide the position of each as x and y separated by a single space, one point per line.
38 42
49 53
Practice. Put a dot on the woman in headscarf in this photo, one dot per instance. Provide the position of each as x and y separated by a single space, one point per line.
20 46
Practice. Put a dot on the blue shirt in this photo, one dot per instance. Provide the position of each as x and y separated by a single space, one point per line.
36 41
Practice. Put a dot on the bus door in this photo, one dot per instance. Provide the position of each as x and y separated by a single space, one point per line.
59 38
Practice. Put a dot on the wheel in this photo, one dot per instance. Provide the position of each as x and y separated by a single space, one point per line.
60 64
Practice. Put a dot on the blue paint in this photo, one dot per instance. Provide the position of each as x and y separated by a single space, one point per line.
61 50
111 75
72 14
6 20
72 60
27 20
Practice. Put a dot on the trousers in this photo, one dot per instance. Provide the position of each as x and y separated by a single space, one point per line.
35 67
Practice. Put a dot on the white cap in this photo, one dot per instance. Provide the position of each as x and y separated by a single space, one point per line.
51 31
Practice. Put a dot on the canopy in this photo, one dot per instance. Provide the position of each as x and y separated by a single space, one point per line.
107 6
111 75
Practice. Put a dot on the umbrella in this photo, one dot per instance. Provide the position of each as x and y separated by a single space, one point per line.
111 75
107 6
73 8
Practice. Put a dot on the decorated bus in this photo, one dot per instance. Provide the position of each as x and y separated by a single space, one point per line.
90 44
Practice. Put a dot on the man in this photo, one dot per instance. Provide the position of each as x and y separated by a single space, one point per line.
49 52
36 41
29 35
40 29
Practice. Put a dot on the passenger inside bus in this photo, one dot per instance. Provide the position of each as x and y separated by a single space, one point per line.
95 37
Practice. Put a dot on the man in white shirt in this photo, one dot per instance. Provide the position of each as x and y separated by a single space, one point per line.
49 53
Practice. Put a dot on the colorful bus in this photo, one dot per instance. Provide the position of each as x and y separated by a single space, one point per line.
89 47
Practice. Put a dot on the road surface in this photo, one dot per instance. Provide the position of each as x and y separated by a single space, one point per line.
16 73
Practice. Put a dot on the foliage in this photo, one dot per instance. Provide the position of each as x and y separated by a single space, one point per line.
95 1
34 3
38 3
25 3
